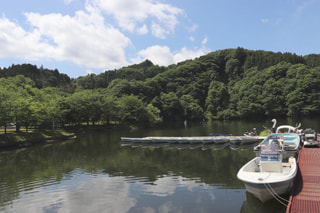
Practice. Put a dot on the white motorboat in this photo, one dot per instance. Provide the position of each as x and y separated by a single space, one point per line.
290 141
268 176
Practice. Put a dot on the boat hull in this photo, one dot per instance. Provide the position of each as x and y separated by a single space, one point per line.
266 185
263 191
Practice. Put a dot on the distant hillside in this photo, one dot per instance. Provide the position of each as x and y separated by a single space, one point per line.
139 72
42 77
245 59
225 84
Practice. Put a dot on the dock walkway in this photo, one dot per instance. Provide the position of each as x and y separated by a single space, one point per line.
305 195
198 139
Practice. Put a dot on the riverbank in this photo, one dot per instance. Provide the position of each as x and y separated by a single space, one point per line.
22 139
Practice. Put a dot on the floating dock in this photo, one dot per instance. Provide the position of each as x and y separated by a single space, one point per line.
305 195
195 140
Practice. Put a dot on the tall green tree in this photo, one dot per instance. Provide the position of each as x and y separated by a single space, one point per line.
217 99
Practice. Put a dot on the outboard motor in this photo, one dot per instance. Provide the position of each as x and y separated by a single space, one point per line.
309 137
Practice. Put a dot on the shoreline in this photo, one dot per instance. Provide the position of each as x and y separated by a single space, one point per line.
23 139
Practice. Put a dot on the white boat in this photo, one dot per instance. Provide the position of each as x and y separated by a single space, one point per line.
289 129
290 141
268 176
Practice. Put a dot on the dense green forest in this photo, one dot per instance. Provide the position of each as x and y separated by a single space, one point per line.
225 84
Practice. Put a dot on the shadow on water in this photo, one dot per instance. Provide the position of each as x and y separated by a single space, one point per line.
254 205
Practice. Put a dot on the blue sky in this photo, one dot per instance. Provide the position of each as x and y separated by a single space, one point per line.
78 37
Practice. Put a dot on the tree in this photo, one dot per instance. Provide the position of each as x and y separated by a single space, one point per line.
171 108
6 102
217 99
192 109
153 115
132 110
110 108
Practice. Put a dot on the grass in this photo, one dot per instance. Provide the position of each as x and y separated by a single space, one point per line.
22 136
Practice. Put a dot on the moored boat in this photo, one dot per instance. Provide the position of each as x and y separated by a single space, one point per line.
268 176
290 141
289 129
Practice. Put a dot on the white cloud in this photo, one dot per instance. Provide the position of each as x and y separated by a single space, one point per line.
193 28
87 40
204 41
89 72
264 20
143 30
66 2
162 55
158 31
130 13
305 5
166 186
84 39
88 195
186 53
16 42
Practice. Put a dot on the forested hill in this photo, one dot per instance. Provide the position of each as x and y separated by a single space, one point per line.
229 84
41 77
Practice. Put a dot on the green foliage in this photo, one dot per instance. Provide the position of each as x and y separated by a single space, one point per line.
226 84
41 77
171 108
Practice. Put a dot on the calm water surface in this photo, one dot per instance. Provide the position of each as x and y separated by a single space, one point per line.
96 173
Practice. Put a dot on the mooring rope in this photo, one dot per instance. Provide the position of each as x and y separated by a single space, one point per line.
276 196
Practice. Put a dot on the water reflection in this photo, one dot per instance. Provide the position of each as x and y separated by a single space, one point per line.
95 173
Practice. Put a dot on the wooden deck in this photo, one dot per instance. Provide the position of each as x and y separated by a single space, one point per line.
305 195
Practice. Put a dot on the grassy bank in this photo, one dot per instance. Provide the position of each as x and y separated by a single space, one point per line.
12 139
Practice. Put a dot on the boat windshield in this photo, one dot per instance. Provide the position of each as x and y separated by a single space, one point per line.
270 152
270 149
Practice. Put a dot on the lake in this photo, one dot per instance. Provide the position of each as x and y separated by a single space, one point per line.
97 173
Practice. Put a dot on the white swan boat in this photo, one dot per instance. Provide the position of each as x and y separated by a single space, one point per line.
268 176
